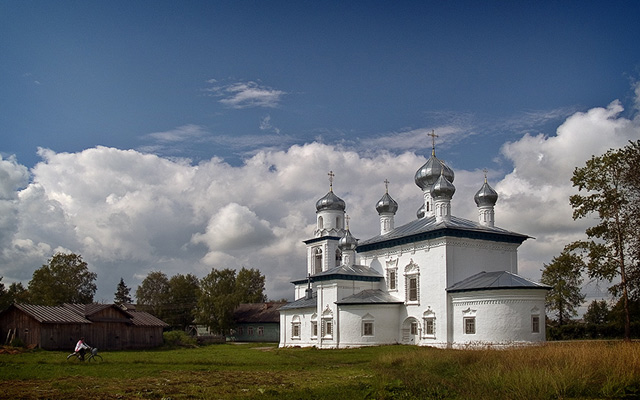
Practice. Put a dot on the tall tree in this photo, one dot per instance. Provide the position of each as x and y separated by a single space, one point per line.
16 293
250 286
153 293
597 312
183 299
123 293
217 300
65 279
612 192
564 275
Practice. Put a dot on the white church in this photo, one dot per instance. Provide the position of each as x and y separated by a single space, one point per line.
438 281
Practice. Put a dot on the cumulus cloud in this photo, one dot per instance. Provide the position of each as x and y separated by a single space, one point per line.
128 213
247 94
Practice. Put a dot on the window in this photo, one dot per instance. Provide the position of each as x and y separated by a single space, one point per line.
328 328
367 328
429 326
317 260
250 331
412 283
393 279
320 223
413 289
470 325
338 257
314 328
260 330
535 323
295 327
240 331
414 328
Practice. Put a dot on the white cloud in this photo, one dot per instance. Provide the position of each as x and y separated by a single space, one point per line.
128 213
179 134
247 94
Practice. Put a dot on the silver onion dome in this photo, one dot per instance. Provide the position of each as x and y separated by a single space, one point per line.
420 213
386 205
348 242
429 173
330 202
442 188
486 196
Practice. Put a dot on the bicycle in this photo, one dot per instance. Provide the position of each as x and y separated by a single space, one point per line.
93 356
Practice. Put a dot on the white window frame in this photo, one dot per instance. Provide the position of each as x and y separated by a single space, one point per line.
295 327
429 324
411 272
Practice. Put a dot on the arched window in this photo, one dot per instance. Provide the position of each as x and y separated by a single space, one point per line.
295 327
412 283
320 223
429 324
327 323
317 260
338 257
338 223
367 325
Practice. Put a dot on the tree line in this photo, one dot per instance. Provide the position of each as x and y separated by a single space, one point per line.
180 301
609 193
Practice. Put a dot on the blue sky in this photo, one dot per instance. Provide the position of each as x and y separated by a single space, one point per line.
79 74
241 84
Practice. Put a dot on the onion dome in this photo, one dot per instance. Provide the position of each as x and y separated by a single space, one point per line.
387 205
442 188
347 242
420 213
330 202
486 196
429 173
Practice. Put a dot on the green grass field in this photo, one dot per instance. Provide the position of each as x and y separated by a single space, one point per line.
574 370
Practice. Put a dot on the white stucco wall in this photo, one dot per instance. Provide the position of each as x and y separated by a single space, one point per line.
385 319
502 317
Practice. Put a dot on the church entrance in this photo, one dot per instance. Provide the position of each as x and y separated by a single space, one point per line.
410 331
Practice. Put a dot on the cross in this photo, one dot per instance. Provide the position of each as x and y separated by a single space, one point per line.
331 175
485 174
347 218
386 185
433 142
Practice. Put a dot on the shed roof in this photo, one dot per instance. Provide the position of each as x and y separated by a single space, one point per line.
52 314
302 302
141 318
370 296
494 280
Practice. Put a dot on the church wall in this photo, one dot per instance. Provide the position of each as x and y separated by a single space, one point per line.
384 320
467 257
501 317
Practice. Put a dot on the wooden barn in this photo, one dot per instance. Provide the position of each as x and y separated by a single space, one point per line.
257 322
105 326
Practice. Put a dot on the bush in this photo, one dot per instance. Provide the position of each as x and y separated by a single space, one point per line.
178 339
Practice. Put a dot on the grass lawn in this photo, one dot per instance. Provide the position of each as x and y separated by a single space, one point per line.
573 370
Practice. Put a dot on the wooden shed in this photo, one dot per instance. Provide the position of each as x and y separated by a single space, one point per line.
106 326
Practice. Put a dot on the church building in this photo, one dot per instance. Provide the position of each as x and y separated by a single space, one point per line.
438 280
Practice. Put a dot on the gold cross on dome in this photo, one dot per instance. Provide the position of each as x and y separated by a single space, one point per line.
386 185
331 175
433 142
485 174
347 218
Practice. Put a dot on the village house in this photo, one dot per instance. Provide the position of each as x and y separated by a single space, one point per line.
257 322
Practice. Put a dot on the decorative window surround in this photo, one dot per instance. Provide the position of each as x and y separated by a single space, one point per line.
429 324
412 283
